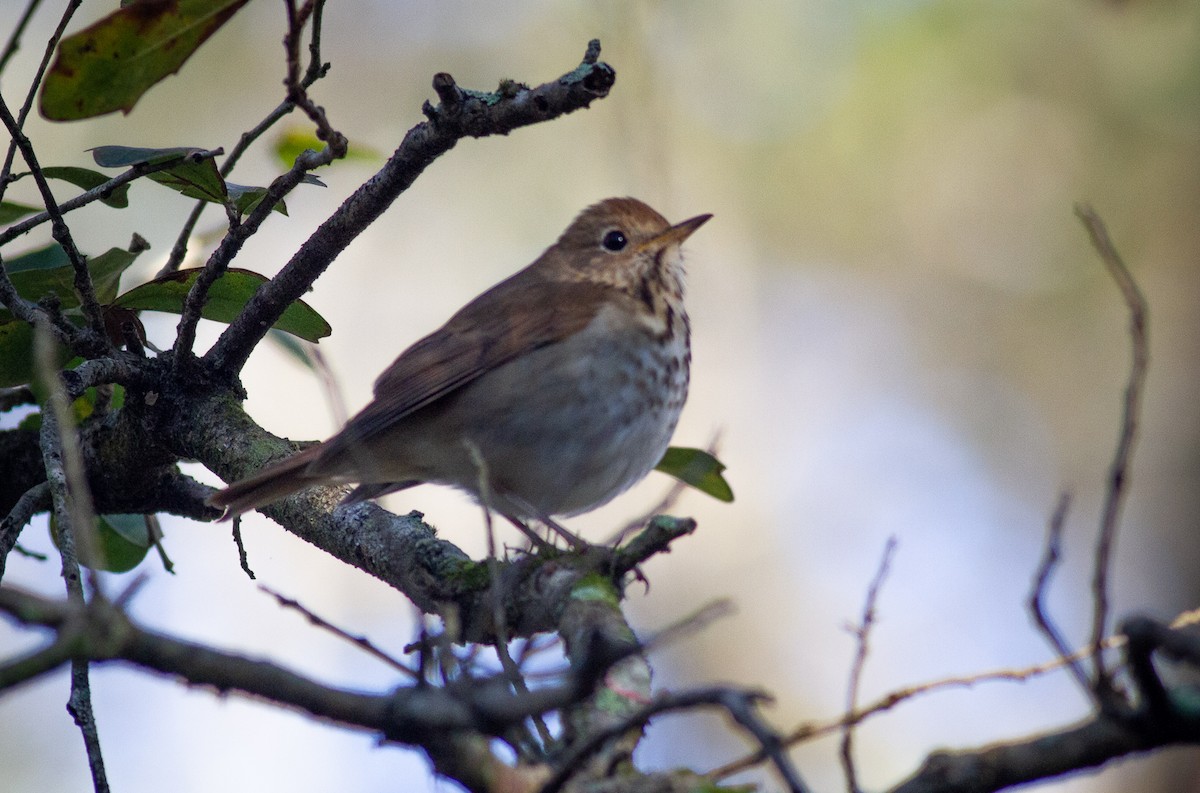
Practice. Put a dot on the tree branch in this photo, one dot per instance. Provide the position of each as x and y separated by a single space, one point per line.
461 114
1118 477
51 44
102 191
61 233
14 40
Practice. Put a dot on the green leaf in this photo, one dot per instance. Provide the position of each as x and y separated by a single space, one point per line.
11 211
228 295
88 179
109 65
44 258
129 156
16 353
201 180
42 272
106 270
247 198
697 468
83 407
194 180
47 270
293 142
293 348
123 542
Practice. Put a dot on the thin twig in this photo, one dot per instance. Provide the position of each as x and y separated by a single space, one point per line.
698 620
1051 556
102 191
479 116
668 500
243 557
335 142
817 729
334 397
15 397
862 633
59 230
739 704
76 529
242 229
79 705
65 473
34 500
14 40
34 84
523 738
1118 476
28 311
220 259
314 73
362 642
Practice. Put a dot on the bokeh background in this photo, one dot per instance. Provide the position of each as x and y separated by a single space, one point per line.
900 330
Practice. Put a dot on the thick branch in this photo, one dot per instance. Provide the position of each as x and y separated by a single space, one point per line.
1087 745
461 114
1165 718
422 715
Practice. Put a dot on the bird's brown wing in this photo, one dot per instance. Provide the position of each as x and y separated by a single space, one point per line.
514 317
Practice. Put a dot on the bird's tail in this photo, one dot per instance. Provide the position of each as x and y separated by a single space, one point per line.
270 484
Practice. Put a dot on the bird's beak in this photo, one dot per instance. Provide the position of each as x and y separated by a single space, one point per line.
676 234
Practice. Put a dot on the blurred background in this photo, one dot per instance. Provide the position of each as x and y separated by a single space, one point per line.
901 330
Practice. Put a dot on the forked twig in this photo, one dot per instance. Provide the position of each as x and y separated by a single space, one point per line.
1041 582
361 642
862 633
1118 476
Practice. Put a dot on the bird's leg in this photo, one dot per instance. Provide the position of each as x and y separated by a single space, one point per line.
536 540
576 542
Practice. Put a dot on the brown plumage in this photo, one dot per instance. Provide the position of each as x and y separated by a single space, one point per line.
548 394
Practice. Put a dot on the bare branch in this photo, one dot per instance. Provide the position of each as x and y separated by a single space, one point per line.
36 499
102 191
79 705
362 642
65 471
862 633
60 232
1037 606
1118 476
35 83
335 142
314 73
739 704
32 313
435 718
16 396
14 40
477 115
76 529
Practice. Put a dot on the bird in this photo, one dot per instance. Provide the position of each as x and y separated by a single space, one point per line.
547 395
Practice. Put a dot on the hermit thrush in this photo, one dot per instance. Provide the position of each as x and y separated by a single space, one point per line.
549 394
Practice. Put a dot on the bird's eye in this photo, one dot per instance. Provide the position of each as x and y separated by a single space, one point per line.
614 241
